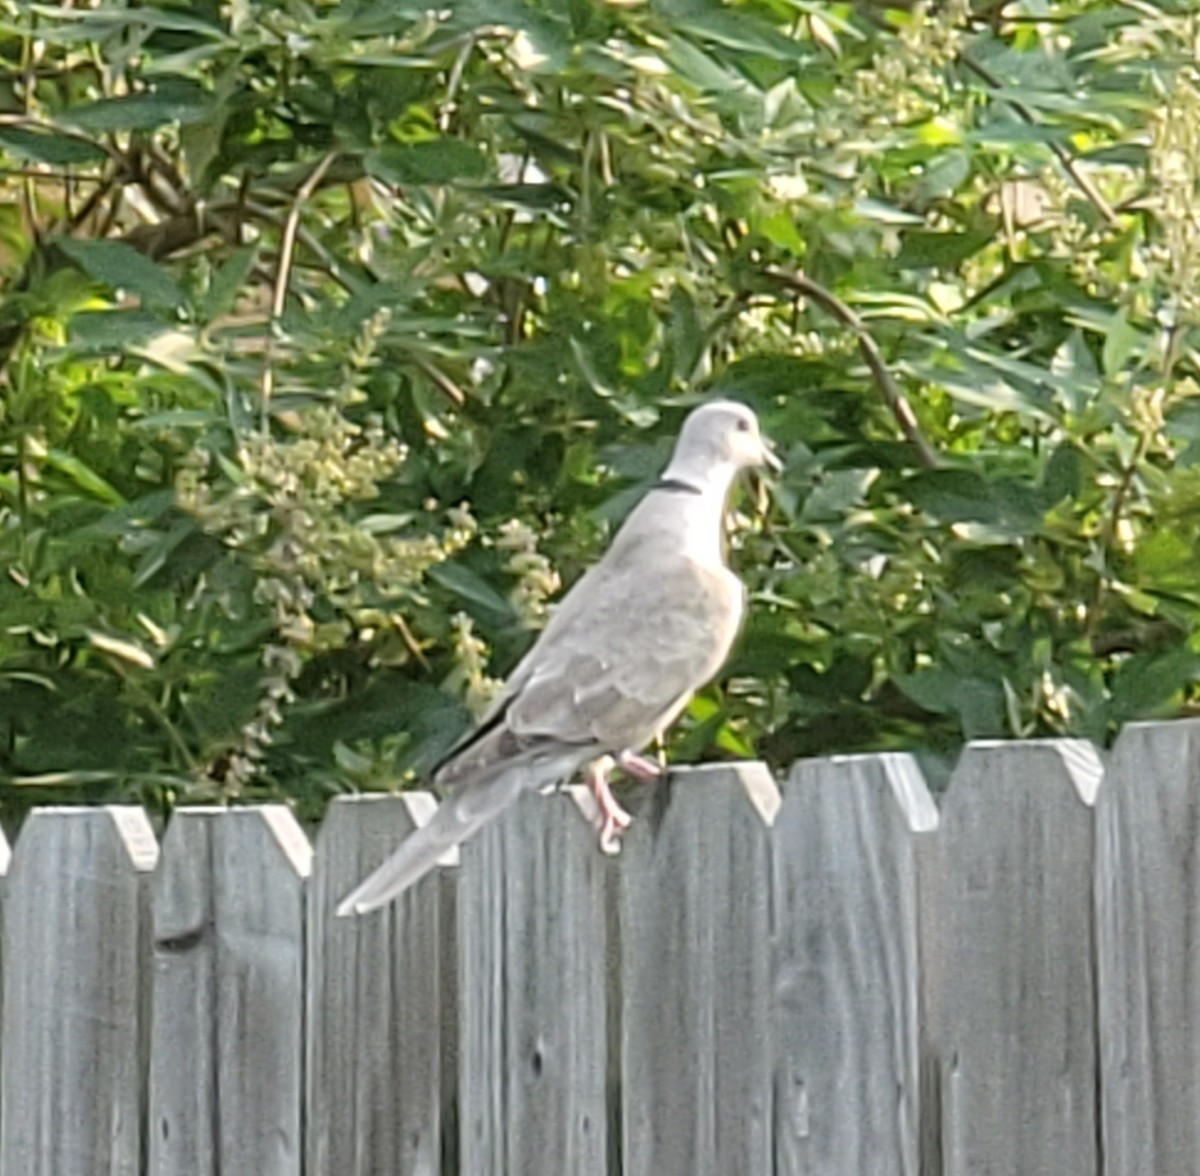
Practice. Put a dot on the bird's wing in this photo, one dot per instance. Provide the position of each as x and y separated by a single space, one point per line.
622 653
641 636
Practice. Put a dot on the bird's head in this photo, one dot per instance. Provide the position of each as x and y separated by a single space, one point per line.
724 433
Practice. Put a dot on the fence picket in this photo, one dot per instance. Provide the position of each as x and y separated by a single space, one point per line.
380 1003
846 975
1015 1014
1147 880
76 988
227 1029
695 977
532 1003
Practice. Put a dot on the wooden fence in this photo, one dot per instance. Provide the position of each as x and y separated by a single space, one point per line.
831 977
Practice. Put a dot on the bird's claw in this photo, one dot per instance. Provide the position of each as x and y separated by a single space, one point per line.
614 820
612 828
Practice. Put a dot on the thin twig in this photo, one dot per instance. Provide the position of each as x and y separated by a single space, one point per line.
329 263
286 252
1063 156
111 212
28 188
158 162
291 225
104 184
410 641
442 381
42 173
1110 531
446 113
893 397
331 267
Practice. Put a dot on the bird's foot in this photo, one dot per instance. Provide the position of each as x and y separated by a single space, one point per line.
639 766
614 820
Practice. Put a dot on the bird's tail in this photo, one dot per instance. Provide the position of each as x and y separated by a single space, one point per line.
456 819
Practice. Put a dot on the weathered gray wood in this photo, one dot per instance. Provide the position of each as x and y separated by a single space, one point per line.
1014 911
846 966
227 1055
696 1023
532 1000
1148 878
929 1002
76 993
379 987
5 859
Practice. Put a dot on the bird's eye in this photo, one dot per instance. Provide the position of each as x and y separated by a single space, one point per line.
743 425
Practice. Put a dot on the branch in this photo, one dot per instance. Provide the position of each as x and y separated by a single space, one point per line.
327 261
441 381
291 225
893 397
1063 156
287 249
446 113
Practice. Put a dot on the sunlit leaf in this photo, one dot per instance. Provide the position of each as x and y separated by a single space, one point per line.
123 649
85 478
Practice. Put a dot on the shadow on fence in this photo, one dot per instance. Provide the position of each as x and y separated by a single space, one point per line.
824 978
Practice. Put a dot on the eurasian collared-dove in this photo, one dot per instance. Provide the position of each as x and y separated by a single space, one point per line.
621 656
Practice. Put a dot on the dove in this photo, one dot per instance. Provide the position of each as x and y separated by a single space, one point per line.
618 661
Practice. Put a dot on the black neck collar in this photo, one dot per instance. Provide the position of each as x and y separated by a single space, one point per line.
676 486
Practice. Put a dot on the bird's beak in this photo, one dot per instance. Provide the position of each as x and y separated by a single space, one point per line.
770 458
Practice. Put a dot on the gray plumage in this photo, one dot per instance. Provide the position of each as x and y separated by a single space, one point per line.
622 654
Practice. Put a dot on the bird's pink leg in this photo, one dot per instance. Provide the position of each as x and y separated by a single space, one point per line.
638 766
614 820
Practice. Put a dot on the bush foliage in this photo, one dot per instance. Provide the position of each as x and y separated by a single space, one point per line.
335 336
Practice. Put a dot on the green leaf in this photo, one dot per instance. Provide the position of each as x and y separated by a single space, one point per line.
978 703
156 555
113 18
956 496
946 175
385 524
112 330
1013 132
884 213
227 284
123 268
472 589
1064 475
52 147
835 493
176 100
685 333
1121 340
436 161
389 704
732 29
85 478
1146 681
921 249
